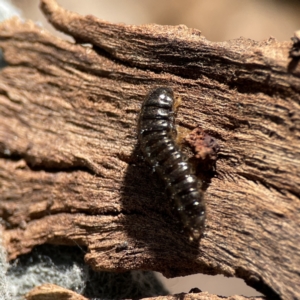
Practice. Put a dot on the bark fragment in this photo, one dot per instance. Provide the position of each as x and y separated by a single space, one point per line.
70 170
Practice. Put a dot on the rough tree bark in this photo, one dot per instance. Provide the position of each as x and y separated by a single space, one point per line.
51 291
70 170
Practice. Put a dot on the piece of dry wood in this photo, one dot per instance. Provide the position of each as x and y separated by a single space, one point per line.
52 291
49 291
203 296
70 170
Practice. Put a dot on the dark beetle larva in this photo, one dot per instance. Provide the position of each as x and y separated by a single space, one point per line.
157 135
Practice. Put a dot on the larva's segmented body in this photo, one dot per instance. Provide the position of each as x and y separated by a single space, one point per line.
157 135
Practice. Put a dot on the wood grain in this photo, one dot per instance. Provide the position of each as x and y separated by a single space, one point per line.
70 167
52 291
49 291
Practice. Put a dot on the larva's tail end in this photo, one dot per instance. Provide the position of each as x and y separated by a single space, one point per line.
196 231
195 235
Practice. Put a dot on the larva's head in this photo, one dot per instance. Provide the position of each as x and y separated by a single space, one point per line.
161 97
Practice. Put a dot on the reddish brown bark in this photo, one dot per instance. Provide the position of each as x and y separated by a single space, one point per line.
51 291
70 170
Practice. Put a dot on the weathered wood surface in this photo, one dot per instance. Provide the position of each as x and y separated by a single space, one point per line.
52 291
70 170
